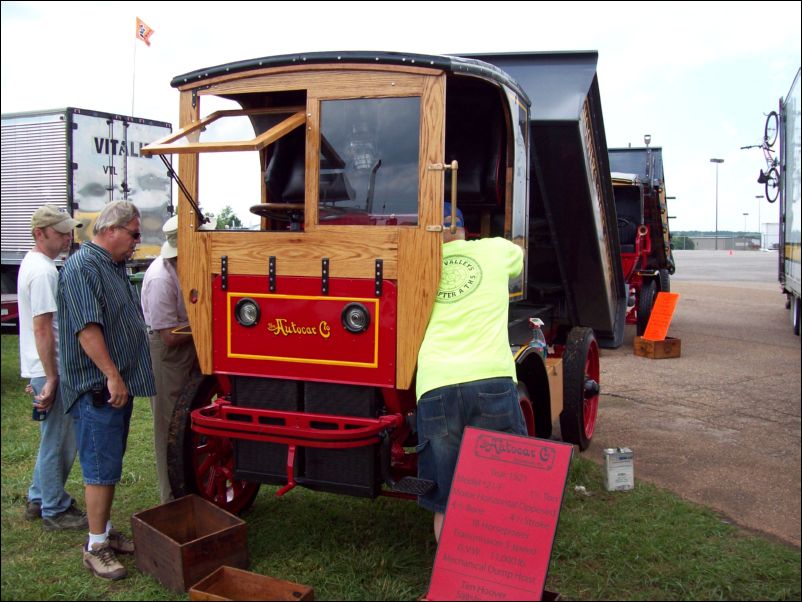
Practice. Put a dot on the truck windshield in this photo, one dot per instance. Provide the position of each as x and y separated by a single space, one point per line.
369 151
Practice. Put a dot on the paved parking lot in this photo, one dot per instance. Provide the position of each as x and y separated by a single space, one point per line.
721 424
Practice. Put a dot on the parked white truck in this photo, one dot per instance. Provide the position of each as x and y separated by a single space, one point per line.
79 160
790 272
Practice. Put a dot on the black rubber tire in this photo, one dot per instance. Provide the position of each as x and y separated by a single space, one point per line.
646 297
771 129
580 345
527 408
181 448
772 185
664 281
795 310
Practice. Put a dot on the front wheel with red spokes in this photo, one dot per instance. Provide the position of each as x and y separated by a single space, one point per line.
204 464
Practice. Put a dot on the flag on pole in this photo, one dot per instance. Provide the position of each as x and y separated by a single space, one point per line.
143 32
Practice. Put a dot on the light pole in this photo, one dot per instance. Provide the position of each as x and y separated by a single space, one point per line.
717 161
759 229
745 216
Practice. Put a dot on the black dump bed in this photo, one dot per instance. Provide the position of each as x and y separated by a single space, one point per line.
574 264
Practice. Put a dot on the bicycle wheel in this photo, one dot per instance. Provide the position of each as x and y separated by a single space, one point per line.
771 129
772 185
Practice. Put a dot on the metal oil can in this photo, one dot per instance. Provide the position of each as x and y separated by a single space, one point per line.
619 469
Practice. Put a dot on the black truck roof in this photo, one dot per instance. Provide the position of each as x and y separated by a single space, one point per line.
452 64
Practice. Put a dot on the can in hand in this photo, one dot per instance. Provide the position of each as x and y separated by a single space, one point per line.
38 415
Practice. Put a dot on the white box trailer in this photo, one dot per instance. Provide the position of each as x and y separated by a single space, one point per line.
78 160
790 272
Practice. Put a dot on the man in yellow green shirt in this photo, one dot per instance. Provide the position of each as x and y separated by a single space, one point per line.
466 372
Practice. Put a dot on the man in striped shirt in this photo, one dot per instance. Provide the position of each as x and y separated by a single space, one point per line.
105 363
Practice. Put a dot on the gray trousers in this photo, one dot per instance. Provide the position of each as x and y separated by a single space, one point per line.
173 367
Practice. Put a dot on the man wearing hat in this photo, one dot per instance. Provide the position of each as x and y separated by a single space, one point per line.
172 352
466 373
37 283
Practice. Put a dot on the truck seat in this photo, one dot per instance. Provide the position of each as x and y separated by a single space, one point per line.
629 207
286 170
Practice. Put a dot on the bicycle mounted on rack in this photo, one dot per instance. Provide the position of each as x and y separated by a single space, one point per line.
771 177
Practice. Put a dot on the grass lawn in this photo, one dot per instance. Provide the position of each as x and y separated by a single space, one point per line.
646 544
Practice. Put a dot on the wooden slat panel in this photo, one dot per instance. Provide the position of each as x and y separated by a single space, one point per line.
230 77
420 252
342 84
312 184
193 250
351 250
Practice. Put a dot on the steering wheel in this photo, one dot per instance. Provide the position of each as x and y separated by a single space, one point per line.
624 222
281 212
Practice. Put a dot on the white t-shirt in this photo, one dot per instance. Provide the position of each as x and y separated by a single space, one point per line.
36 295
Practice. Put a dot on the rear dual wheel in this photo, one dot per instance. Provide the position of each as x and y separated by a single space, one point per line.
527 408
580 387
204 464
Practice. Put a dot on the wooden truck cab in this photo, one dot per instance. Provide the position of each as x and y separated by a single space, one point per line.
308 313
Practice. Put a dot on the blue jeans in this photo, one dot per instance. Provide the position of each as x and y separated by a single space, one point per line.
441 418
55 458
102 435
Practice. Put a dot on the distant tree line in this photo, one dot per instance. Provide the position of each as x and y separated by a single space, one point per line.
721 233
683 240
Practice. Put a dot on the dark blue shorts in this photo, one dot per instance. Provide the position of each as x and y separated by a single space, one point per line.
102 435
441 419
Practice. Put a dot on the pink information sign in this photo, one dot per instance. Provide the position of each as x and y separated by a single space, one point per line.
501 518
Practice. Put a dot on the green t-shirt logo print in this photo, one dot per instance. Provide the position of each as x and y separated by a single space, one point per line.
461 276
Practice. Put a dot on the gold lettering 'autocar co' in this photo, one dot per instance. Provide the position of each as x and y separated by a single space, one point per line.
282 326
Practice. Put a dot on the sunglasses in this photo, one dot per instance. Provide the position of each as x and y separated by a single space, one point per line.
134 235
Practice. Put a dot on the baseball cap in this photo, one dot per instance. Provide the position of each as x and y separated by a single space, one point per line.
447 215
53 217
170 246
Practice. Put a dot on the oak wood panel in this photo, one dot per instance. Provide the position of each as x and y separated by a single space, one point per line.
340 84
193 249
229 77
312 158
420 252
352 252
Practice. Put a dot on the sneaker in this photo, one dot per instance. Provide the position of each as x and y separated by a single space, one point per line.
33 510
120 543
69 519
74 510
102 562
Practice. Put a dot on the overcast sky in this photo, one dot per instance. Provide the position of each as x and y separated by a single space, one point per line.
699 77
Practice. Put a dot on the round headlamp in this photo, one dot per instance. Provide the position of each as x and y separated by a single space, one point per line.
247 312
355 318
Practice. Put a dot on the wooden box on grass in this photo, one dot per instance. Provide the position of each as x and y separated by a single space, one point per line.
657 350
181 542
228 583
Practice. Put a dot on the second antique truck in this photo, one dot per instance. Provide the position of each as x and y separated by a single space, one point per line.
643 232
308 319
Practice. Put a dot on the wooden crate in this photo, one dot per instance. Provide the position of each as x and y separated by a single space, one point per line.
657 350
181 542
228 583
